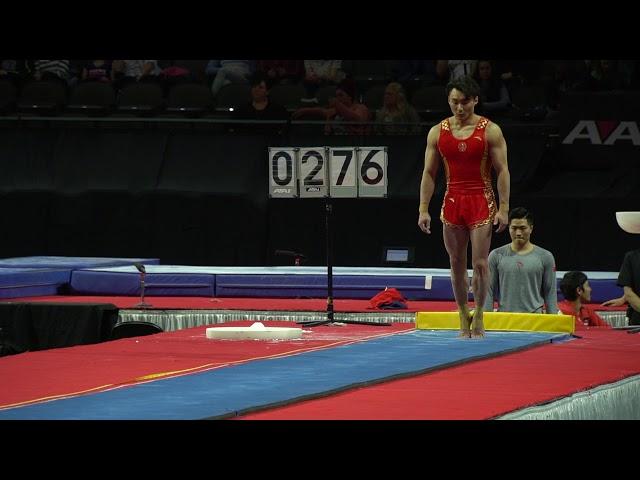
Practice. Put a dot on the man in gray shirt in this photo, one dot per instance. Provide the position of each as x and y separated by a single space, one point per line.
522 275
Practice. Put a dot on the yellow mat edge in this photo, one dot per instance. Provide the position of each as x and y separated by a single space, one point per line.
501 321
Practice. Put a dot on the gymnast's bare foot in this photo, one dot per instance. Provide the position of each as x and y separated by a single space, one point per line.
477 325
465 323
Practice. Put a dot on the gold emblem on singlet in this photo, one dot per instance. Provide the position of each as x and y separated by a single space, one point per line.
462 146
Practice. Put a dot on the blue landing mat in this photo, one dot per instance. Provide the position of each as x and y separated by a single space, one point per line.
344 286
30 282
72 262
288 282
413 286
272 282
228 391
126 281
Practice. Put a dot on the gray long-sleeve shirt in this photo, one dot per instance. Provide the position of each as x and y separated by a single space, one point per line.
522 283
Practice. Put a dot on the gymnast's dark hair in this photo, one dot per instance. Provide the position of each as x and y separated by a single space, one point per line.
466 85
570 283
521 212
258 77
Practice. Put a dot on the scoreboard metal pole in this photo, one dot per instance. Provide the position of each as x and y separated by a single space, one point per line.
329 243
327 172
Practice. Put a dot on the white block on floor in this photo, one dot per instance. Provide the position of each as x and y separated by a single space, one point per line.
257 331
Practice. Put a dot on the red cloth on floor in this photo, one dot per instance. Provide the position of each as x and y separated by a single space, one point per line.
389 298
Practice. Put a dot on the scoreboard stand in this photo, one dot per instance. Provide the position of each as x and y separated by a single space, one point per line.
328 172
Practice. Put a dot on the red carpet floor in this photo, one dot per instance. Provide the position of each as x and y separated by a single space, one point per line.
34 376
292 304
483 389
477 390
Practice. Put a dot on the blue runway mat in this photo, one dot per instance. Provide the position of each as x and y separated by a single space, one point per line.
227 391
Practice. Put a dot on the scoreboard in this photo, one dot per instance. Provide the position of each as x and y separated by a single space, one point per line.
319 172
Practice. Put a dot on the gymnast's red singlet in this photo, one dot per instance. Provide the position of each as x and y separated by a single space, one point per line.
469 201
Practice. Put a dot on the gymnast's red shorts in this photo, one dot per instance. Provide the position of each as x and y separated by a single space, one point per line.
468 210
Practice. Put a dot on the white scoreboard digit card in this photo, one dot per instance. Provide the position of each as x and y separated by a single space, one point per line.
312 172
343 168
283 182
372 171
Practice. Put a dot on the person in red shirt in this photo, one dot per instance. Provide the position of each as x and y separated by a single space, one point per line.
469 146
577 292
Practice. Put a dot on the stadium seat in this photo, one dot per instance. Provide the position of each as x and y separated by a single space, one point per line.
287 95
233 96
7 97
42 97
190 99
141 99
374 97
430 102
92 98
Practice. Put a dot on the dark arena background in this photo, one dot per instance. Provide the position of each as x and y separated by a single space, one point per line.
190 186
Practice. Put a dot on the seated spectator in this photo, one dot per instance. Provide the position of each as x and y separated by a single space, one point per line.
75 72
172 75
282 71
494 97
318 73
225 72
577 292
54 70
341 110
448 70
261 107
130 71
396 114
97 71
